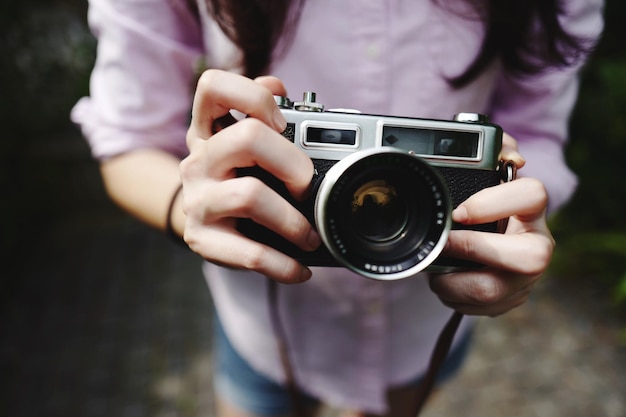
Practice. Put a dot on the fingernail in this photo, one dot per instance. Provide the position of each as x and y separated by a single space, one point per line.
518 159
460 215
305 275
279 120
313 239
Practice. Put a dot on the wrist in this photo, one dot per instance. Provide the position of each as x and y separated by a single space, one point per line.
174 221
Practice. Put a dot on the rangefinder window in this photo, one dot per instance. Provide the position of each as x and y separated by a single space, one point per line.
324 136
445 143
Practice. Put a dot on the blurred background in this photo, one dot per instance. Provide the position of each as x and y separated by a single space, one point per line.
101 316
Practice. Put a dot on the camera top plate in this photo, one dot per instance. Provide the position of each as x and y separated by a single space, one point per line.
467 141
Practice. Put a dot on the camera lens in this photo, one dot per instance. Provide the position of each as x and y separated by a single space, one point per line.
383 213
378 214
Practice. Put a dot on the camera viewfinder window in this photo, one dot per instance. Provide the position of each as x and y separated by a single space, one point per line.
319 135
432 142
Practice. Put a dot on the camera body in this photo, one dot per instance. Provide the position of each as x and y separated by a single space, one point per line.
384 186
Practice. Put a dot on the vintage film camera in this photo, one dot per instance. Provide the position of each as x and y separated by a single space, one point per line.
384 187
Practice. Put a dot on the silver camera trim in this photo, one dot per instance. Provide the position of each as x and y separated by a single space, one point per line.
438 160
333 147
370 132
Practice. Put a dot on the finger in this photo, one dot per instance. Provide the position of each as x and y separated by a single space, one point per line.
525 253
481 292
273 84
218 92
233 250
249 198
525 198
251 143
510 151
491 310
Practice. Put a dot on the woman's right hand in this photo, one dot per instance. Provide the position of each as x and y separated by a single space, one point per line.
214 197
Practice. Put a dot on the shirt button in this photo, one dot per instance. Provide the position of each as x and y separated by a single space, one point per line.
374 307
373 51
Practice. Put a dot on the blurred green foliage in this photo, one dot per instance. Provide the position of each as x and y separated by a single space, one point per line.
48 53
591 230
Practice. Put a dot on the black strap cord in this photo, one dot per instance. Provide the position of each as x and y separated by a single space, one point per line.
283 350
438 356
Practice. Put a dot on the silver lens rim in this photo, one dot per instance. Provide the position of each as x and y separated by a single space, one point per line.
390 273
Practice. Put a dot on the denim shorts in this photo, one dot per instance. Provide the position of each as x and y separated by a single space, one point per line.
241 386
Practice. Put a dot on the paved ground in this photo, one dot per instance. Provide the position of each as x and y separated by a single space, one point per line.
561 354
108 318
111 319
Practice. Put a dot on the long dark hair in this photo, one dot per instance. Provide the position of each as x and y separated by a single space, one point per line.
525 34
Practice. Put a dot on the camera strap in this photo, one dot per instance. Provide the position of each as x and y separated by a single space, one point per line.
297 405
438 356
508 172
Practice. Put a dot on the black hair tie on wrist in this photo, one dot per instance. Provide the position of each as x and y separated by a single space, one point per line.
169 227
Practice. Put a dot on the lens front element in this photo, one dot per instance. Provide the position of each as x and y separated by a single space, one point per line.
378 214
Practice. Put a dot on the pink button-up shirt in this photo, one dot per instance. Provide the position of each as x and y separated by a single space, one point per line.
350 337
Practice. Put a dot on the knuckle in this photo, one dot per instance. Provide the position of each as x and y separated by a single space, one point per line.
208 80
305 174
249 128
485 291
189 138
261 99
296 226
185 167
192 236
290 272
246 195
194 207
189 237
188 203
538 257
253 258
536 190
192 166
468 246
246 133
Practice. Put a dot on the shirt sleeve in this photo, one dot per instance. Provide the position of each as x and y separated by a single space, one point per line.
142 84
536 110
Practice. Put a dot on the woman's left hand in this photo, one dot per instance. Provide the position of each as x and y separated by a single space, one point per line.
514 260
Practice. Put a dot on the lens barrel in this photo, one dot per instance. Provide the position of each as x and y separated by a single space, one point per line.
383 213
